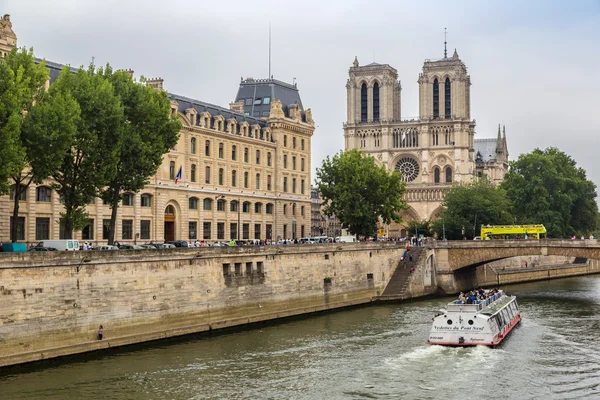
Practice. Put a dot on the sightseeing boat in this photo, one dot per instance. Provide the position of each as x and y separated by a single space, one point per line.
484 322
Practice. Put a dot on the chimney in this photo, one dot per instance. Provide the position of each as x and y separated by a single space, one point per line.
156 83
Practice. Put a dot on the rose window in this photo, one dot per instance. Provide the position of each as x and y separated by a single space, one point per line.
409 168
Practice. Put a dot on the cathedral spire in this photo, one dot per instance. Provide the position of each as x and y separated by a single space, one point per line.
445 51
504 131
499 136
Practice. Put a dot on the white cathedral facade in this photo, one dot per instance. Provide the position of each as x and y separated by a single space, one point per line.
433 151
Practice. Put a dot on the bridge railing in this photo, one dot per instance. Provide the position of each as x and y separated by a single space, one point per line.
441 244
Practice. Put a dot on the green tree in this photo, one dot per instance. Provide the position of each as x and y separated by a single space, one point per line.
468 206
21 86
148 131
359 193
418 228
547 187
91 154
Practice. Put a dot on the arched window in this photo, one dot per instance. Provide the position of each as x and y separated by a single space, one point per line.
193 145
246 206
269 208
448 175
146 200
436 175
22 195
172 170
193 203
234 178
128 199
257 208
246 180
233 205
207 175
193 173
221 172
220 205
207 204
363 103
376 102
436 99
43 194
447 98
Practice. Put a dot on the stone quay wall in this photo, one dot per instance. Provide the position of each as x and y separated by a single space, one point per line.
52 304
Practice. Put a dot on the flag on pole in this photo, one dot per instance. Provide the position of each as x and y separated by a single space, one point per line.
178 176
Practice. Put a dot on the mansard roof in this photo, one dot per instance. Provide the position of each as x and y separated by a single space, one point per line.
214 110
253 91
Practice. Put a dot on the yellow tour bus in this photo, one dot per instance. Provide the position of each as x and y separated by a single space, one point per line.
512 232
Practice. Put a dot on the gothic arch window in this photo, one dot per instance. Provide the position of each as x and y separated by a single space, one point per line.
448 175
447 97
436 99
363 103
376 102
436 175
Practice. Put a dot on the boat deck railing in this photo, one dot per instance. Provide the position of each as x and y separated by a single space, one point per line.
477 305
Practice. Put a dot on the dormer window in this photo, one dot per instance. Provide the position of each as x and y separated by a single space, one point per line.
267 100
248 102
258 101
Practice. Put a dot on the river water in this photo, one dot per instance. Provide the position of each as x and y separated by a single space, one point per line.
375 352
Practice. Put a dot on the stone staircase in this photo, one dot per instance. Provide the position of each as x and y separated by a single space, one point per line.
399 281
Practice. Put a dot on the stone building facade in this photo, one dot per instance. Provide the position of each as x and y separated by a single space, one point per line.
433 150
243 176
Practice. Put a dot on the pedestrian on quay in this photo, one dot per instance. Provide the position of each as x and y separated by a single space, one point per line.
100 332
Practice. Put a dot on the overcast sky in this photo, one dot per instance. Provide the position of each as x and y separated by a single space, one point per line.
534 65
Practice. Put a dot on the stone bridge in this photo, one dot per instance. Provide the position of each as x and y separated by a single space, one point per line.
455 265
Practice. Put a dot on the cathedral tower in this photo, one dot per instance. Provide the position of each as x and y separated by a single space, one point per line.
373 93
444 89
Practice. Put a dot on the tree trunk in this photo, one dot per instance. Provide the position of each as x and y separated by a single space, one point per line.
68 223
13 226
113 217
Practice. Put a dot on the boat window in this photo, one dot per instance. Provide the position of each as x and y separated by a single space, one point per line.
449 322
470 322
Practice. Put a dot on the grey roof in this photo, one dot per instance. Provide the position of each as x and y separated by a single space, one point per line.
54 68
214 110
485 149
256 90
373 64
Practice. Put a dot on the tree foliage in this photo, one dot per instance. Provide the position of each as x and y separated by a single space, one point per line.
418 228
95 121
148 131
21 86
468 206
359 193
547 187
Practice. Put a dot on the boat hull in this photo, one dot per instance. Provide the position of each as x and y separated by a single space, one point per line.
491 343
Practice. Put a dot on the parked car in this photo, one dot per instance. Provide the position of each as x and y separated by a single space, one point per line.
13 247
178 243
130 247
39 248
147 246
106 247
164 246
